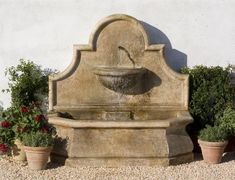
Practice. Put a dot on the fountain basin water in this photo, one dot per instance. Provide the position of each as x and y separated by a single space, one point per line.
119 78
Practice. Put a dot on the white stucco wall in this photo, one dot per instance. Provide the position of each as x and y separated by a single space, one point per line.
198 31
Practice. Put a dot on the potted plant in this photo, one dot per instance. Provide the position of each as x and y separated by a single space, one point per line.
16 121
213 141
210 93
38 146
33 128
28 82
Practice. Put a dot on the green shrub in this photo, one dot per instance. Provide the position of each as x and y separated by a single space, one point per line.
227 120
28 83
209 94
213 134
37 139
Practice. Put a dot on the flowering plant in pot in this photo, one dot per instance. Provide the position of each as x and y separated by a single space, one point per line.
31 119
38 146
32 122
15 121
213 141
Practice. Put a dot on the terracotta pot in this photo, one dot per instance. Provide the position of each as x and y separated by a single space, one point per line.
18 152
212 151
37 157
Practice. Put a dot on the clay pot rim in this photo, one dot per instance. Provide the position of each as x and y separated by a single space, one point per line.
30 148
213 144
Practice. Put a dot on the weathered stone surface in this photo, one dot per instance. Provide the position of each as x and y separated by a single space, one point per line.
119 103
117 162
78 85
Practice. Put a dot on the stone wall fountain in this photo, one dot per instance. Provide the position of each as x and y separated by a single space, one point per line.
119 103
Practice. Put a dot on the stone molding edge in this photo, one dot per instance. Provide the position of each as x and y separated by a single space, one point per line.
167 123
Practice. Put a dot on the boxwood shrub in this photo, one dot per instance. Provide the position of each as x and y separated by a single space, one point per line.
210 94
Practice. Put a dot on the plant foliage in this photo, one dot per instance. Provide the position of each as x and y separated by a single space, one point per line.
28 83
210 93
31 119
7 122
37 139
15 122
214 134
227 120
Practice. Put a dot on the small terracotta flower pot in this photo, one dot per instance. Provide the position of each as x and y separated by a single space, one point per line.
37 157
212 151
18 152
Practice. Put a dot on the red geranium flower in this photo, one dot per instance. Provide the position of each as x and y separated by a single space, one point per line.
45 129
5 124
3 148
39 118
24 109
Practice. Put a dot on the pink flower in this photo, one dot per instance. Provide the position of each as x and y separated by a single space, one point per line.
24 109
3 148
45 129
5 124
39 118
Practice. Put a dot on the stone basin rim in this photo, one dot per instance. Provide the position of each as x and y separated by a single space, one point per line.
118 71
167 123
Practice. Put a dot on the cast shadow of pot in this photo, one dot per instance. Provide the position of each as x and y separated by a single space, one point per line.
59 153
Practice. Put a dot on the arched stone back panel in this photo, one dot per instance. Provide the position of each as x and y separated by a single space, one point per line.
79 88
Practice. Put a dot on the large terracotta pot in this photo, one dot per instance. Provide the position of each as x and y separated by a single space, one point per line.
212 151
18 152
37 157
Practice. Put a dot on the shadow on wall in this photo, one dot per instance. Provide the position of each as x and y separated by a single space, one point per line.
174 58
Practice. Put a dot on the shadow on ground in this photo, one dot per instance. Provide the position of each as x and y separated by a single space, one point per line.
52 165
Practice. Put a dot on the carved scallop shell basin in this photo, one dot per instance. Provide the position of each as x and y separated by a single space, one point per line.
119 78
119 103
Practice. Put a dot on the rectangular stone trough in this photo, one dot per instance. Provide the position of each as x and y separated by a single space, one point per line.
119 143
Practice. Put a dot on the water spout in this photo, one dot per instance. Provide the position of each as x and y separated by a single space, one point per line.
128 55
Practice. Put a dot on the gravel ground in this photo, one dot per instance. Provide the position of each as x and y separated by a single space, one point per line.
197 170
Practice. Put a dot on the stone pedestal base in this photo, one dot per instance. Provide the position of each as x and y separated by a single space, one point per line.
118 162
121 143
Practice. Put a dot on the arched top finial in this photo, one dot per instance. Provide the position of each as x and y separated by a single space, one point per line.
112 18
